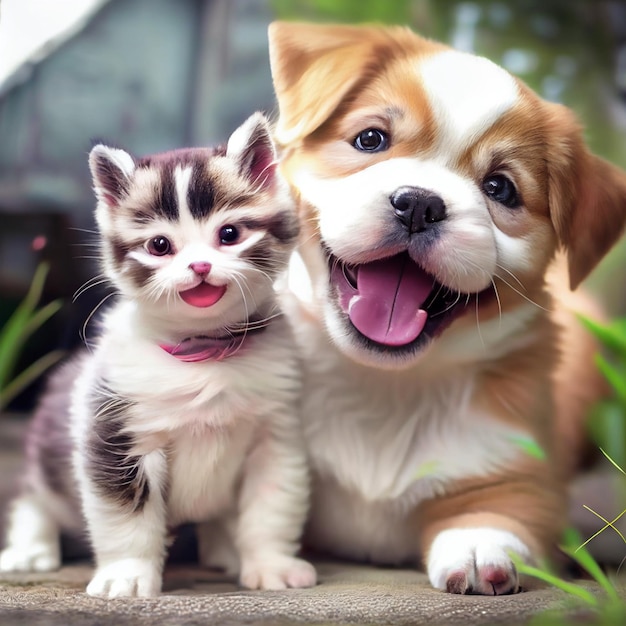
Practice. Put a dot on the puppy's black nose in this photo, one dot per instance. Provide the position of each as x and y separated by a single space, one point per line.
417 208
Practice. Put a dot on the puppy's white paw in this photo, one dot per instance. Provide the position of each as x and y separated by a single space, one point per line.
38 556
475 560
276 571
126 578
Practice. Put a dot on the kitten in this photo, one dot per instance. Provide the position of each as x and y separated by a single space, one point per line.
185 408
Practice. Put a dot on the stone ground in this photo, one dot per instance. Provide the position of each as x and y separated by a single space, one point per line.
346 593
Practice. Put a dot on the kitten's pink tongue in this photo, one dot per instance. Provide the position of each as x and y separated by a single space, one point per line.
203 295
390 292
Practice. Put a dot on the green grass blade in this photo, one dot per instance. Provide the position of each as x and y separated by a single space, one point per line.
577 551
428 468
41 316
612 461
610 524
26 377
596 572
12 336
36 286
616 378
606 424
529 446
11 342
570 588
613 335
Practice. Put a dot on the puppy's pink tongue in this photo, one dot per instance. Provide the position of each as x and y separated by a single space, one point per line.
203 295
386 307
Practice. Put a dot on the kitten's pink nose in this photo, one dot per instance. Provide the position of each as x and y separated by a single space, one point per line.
202 268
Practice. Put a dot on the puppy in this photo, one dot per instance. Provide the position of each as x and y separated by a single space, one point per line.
435 191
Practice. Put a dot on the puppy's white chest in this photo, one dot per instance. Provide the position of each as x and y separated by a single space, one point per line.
390 441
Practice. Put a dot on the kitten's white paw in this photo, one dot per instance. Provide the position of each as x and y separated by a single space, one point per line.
126 578
39 556
475 560
276 571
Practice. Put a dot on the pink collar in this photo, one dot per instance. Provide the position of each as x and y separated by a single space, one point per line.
202 348
205 348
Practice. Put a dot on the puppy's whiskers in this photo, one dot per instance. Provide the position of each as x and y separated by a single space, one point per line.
433 296
519 293
512 275
350 277
457 299
480 334
497 295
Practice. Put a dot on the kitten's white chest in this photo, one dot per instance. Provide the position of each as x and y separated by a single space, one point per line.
205 417
205 466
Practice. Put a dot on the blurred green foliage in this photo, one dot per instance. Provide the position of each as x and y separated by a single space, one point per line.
608 607
607 421
565 50
27 318
384 12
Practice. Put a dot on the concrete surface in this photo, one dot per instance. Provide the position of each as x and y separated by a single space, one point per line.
347 593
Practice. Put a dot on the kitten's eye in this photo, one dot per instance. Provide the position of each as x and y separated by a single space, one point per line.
371 140
159 246
500 188
228 235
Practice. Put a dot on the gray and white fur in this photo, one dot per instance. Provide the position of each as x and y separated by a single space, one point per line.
130 439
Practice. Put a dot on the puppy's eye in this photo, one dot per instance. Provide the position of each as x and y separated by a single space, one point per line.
159 246
228 235
371 140
500 188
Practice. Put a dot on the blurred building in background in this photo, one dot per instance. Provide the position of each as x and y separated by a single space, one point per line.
144 75
150 75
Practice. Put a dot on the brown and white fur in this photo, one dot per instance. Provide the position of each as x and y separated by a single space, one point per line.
434 181
193 240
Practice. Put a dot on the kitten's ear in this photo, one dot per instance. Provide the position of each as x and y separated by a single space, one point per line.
252 148
111 170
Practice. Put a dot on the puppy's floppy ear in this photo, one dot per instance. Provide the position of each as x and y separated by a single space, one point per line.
587 196
308 81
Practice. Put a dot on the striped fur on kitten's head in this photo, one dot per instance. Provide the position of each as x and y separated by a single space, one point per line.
196 233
